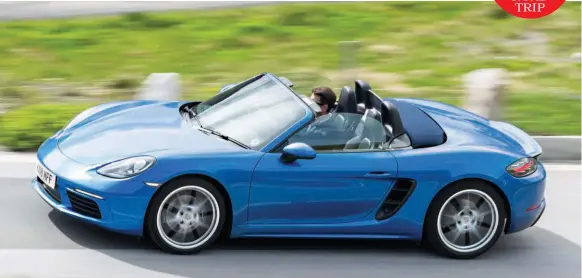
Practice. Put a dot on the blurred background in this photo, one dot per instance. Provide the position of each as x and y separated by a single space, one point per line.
52 69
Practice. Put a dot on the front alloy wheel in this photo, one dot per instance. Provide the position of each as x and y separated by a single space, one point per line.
186 216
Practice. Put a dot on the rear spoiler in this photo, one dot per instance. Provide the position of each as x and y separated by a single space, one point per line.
531 147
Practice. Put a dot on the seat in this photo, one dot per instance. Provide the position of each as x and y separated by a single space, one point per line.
357 143
373 131
347 105
347 101
353 144
365 144
363 93
369 132
358 129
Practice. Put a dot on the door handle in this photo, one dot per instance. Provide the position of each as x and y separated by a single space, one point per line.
377 175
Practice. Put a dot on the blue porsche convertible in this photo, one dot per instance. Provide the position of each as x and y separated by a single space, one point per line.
256 161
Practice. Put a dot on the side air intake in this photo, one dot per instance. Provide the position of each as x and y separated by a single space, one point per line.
395 199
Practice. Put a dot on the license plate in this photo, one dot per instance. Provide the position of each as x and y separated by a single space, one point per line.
46 176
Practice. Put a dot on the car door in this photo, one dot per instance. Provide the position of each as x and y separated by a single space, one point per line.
336 186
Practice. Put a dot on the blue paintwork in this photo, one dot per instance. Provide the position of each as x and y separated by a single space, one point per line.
127 130
331 195
332 188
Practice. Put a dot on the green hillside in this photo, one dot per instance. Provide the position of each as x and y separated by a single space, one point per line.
413 49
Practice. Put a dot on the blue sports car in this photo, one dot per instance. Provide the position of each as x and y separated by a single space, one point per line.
255 160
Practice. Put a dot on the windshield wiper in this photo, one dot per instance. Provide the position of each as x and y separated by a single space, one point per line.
193 115
190 111
222 136
197 121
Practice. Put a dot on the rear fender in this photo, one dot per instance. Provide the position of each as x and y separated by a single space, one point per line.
435 168
530 146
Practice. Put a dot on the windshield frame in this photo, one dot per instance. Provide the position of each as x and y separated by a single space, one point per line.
308 117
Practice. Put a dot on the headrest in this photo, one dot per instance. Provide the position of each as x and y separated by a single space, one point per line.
362 92
347 101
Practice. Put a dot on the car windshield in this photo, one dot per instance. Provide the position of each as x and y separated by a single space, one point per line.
256 114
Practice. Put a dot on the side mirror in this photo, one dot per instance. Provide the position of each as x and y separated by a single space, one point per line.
296 151
226 87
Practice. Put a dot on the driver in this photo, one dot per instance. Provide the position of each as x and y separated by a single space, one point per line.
325 98
319 134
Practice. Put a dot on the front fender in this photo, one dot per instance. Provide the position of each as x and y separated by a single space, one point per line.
232 170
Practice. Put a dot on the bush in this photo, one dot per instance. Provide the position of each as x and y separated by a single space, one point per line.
25 128
141 21
123 83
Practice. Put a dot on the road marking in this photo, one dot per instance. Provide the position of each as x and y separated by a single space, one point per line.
559 136
562 167
6 157
74 261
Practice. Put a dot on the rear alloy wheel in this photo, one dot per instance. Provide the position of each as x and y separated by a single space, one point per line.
465 220
186 216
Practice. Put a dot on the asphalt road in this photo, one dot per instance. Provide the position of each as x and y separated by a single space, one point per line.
39 242
17 10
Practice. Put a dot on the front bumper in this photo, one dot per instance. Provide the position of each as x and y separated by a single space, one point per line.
61 202
117 205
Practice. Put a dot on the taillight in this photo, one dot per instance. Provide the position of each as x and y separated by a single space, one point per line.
523 167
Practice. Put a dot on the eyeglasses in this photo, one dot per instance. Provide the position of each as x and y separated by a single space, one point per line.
318 102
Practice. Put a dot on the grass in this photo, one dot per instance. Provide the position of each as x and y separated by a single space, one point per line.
417 49
26 128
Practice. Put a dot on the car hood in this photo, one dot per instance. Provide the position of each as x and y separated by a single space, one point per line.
465 128
118 130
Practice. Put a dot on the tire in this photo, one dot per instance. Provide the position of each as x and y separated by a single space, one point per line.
174 227
444 221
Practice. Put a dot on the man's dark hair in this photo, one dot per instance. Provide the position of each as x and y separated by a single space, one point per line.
326 95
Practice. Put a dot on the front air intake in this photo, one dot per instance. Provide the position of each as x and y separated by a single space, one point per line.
84 206
395 199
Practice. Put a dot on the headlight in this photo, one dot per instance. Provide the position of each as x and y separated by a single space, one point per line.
126 168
